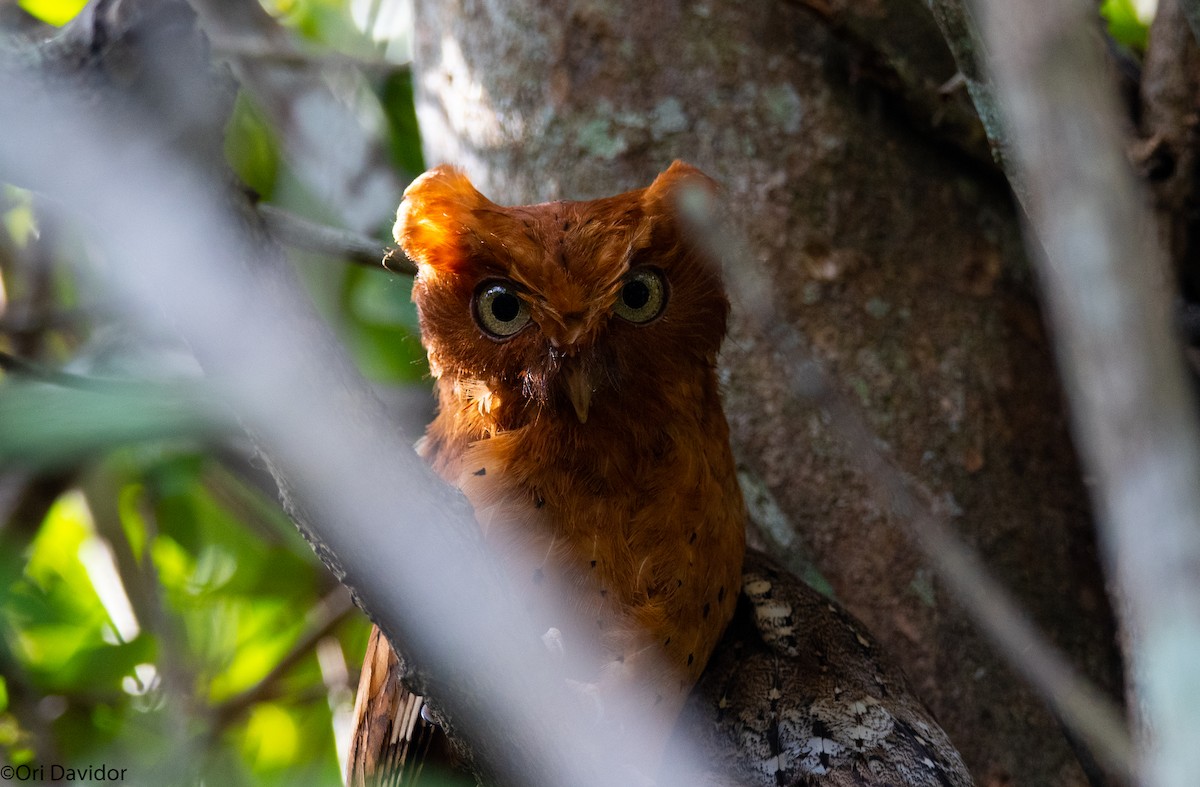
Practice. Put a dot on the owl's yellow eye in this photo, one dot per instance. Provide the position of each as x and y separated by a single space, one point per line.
499 311
642 297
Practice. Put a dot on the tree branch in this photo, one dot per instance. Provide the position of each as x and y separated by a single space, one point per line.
355 247
1082 707
1102 280
183 248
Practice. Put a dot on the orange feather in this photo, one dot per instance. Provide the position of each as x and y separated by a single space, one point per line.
574 348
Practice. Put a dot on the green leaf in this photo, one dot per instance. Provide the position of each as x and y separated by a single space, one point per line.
45 425
54 12
251 147
1126 25
396 96
381 329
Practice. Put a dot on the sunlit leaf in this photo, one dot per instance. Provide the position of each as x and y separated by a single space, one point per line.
1126 24
271 736
18 218
54 12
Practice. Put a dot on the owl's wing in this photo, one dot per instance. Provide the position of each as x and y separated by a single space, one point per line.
798 693
391 741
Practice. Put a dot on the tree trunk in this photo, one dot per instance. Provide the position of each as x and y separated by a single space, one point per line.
894 247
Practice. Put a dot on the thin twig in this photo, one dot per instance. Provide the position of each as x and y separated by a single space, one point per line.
23 367
291 230
279 52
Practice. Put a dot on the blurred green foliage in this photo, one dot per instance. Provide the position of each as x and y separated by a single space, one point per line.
157 610
1125 24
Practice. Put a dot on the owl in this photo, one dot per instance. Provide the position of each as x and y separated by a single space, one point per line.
573 347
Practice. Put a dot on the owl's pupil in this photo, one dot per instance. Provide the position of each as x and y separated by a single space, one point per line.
505 307
635 294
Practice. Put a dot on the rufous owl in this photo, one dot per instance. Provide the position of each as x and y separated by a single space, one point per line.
574 348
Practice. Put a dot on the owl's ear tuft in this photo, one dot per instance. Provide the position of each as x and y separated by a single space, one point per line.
664 194
435 217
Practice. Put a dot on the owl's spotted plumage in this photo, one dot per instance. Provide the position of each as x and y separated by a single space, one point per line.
574 347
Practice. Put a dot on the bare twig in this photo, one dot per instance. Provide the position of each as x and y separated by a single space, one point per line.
35 371
1103 281
287 53
291 230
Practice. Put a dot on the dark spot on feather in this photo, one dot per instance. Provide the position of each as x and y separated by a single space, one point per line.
480 471
593 564
721 594
658 698
650 592
600 623
679 583
691 658
692 540
538 576
566 225
603 593
538 501
704 612
621 659
668 642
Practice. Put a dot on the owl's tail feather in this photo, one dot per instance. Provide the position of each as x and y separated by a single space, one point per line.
391 740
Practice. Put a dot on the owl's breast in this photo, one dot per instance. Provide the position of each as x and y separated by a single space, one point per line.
638 530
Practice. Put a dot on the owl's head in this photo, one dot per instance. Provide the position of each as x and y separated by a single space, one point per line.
563 307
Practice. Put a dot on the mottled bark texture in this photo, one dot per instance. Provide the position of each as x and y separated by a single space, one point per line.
895 252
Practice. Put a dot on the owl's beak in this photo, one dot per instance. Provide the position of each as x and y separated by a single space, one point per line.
579 391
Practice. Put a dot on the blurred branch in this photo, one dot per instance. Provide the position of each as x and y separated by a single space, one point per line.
184 249
1103 280
37 372
292 230
1082 707
326 616
45 426
323 135
39 322
285 52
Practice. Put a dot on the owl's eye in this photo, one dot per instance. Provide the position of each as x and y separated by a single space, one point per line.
499 311
642 297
